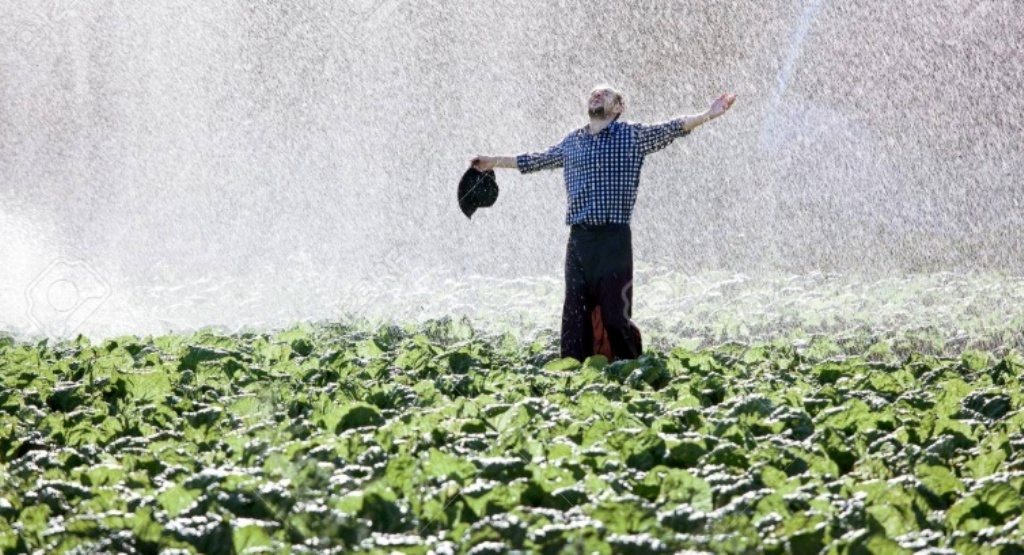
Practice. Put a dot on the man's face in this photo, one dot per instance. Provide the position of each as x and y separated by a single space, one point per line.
603 103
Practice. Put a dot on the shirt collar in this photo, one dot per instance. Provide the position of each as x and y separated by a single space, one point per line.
612 128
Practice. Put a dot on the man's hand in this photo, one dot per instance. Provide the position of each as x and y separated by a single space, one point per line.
483 163
722 104
718 107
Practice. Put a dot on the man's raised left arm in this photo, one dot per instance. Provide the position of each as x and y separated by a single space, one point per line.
652 138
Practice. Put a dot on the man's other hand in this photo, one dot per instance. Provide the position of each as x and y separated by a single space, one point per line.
722 104
483 163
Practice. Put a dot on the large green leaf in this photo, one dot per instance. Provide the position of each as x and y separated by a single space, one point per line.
992 504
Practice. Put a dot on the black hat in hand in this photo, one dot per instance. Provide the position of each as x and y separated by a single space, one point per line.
477 189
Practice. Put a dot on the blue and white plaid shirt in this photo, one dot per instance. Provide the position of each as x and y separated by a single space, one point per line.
602 171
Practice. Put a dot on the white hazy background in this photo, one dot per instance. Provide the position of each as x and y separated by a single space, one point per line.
252 163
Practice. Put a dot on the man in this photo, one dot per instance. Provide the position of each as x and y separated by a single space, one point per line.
602 162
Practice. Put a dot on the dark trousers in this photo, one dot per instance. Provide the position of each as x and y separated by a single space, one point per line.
598 272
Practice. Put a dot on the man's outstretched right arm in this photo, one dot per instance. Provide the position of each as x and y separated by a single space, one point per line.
525 163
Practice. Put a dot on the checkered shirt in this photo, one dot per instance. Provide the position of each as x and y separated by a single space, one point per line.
602 171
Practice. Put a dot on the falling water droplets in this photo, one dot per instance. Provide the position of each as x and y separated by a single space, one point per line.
257 163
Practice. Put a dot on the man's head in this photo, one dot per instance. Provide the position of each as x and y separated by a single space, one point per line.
605 102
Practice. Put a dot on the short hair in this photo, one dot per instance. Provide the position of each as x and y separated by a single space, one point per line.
619 97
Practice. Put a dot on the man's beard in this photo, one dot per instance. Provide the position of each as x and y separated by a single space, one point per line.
598 113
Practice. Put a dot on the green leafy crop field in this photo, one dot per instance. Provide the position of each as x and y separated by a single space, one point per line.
439 438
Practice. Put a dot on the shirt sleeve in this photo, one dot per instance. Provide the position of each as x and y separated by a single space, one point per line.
654 137
551 158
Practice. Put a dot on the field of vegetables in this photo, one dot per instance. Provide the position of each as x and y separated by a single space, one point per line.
437 437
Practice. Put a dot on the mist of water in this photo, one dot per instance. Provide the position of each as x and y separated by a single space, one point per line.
255 163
